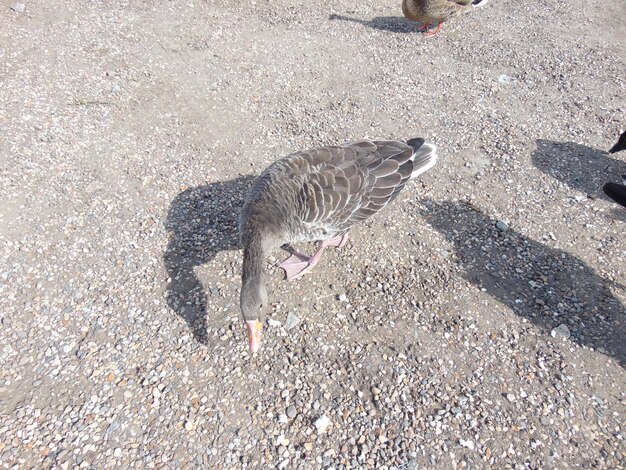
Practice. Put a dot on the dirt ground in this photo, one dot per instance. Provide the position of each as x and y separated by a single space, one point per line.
129 134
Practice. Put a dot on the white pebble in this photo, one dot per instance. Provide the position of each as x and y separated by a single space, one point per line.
292 320
561 331
322 423
469 444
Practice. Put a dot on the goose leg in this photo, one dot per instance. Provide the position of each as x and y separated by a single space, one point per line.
339 242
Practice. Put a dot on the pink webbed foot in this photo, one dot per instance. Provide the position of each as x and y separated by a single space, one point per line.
296 265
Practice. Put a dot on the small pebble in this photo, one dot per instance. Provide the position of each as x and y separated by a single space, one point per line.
322 423
469 444
505 79
561 331
502 226
292 320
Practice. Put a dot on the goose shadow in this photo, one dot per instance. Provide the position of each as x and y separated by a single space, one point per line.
547 286
581 167
201 222
394 24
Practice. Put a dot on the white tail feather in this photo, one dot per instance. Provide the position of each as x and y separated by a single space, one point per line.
424 159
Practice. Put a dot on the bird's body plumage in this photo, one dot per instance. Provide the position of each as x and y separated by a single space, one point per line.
320 193
434 11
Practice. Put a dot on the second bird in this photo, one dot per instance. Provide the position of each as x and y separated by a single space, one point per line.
436 11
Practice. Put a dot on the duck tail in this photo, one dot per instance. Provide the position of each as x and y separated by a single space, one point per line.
617 192
424 156
620 145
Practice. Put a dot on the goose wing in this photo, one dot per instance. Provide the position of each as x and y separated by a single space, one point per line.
343 185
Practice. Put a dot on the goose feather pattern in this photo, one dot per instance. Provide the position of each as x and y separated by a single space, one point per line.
320 193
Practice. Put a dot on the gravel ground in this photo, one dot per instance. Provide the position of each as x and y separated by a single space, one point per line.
477 322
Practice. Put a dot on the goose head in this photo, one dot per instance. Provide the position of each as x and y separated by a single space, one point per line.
258 240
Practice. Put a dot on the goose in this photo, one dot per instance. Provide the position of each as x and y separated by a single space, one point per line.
437 11
318 195
617 191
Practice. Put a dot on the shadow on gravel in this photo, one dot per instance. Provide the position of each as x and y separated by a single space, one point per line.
201 222
547 286
395 24
580 167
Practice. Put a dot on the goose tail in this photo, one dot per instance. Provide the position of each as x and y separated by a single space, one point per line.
424 156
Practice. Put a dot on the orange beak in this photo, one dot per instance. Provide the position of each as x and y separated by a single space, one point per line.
254 335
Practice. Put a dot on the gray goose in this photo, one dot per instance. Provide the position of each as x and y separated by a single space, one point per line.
318 195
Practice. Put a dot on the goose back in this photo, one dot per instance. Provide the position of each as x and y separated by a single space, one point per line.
320 193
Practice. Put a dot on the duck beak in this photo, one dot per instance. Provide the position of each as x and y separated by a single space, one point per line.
254 335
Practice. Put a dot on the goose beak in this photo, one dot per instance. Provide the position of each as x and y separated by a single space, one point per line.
254 335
